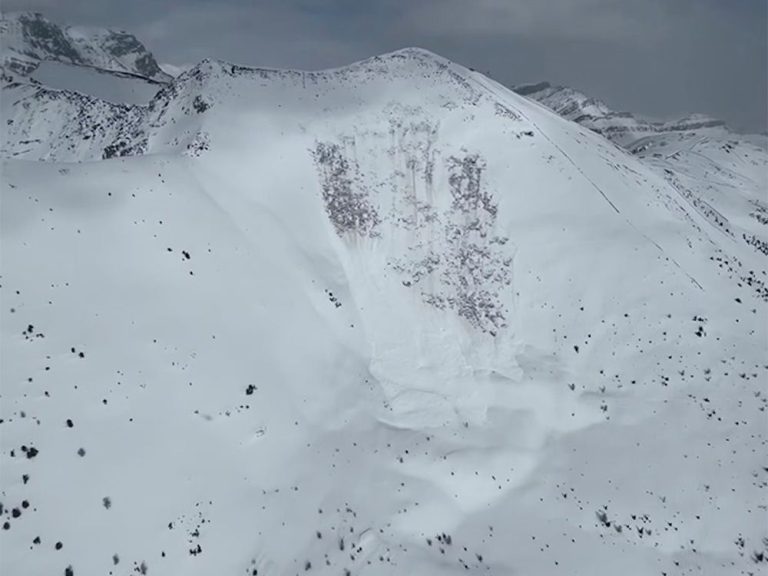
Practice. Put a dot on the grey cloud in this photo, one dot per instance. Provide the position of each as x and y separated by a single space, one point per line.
555 19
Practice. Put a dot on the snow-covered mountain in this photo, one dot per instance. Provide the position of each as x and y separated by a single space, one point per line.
391 318
106 64
28 39
623 128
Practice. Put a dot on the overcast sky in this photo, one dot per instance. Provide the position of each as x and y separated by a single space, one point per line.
661 58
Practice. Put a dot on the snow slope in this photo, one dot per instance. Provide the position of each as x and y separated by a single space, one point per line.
109 86
42 123
721 174
386 319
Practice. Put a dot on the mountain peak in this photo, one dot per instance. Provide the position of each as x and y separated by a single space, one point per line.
414 52
409 65
411 54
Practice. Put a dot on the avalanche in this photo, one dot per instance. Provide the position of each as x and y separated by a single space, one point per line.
391 318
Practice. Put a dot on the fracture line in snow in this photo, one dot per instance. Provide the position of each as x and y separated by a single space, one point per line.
675 262
576 166
588 179
480 80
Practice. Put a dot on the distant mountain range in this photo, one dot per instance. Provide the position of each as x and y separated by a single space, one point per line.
624 128
28 39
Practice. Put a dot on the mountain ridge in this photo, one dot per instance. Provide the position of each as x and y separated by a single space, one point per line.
624 128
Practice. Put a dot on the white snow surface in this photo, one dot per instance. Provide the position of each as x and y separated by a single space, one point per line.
386 319
174 70
115 88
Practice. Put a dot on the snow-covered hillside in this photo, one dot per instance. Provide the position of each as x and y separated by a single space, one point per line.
391 318
719 173
42 123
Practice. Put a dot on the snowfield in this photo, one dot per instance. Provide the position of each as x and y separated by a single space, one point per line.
109 86
391 318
